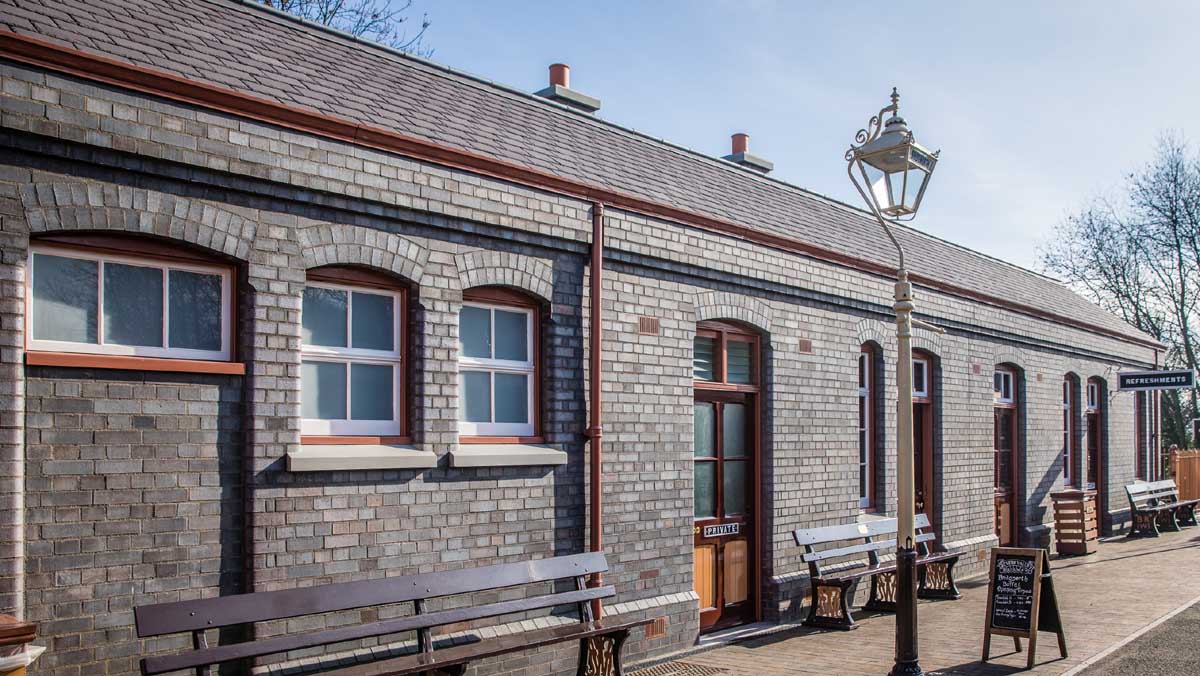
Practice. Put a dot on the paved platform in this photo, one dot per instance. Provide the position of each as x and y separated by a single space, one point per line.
1106 599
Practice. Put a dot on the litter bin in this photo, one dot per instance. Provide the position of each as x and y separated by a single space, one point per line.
1076 528
15 653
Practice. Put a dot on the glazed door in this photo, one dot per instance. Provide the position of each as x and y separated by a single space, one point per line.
923 458
725 425
1093 449
1003 471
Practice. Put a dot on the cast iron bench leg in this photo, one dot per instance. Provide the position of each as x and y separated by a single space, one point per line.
601 655
936 580
1145 523
883 593
1186 515
830 606
1167 520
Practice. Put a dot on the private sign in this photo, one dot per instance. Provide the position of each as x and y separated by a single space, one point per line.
1156 380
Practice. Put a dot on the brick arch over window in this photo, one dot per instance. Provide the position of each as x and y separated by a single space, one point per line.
98 206
1010 357
503 268
927 341
725 305
338 244
875 331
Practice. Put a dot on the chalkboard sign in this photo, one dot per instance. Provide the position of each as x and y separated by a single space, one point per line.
1021 600
1014 580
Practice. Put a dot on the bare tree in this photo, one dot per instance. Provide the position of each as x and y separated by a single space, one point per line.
383 21
1140 259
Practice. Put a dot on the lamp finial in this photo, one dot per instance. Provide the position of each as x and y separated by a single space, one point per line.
895 97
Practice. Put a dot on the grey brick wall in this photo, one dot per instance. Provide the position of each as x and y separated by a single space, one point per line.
81 157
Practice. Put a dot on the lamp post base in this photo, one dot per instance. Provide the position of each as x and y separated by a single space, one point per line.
906 614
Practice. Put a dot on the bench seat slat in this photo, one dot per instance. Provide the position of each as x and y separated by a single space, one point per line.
270 646
888 567
222 611
502 645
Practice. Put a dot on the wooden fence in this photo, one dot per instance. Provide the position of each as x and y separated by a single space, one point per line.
1185 469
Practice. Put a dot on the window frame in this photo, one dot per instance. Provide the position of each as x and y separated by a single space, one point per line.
867 393
500 298
349 431
1003 376
921 395
128 251
1070 446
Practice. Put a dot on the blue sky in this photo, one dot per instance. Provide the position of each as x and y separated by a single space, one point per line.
1036 106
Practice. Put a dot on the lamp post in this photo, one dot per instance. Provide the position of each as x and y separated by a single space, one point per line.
891 170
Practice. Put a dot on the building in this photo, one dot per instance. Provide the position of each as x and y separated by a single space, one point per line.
252 272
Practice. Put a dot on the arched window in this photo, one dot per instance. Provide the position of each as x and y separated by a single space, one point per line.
1006 452
1094 412
353 374
498 365
867 410
122 296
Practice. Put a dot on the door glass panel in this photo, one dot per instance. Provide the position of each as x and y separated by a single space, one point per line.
733 436
735 486
133 305
737 568
706 489
738 362
64 298
705 430
703 354
194 299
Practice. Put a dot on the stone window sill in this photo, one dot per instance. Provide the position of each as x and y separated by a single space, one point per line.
506 455
335 457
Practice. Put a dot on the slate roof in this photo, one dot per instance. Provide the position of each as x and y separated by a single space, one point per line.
248 49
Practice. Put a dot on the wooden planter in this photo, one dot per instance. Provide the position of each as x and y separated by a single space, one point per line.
1076 526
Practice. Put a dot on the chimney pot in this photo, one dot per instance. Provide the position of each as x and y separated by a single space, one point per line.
560 75
741 143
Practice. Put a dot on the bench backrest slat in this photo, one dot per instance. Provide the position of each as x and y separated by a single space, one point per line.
270 646
170 618
876 546
1142 493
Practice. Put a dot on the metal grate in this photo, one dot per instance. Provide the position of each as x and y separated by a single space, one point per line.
680 669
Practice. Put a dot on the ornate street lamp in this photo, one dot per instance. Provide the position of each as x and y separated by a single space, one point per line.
894 171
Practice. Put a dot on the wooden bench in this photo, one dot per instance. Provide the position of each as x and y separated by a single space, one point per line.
600 641
1156 506
835 572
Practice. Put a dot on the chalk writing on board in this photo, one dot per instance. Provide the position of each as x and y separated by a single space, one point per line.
1012 604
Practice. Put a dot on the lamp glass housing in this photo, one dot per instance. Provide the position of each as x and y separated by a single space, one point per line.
896 169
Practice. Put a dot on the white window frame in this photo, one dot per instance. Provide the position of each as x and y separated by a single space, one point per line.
100 347
352 355
494 366
864 402
1068 431
923 364
1093 396
1005 376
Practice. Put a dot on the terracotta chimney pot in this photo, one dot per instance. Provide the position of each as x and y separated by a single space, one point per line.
741 143
560 74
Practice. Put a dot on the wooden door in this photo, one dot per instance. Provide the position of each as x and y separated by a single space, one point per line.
725 476
923 459
1093 449
1004 474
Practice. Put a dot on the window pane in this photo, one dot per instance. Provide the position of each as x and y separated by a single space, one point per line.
512 398
323 390
706 489
371 392
704 430
133 305
324 317
475 388
64 298
195 310
735 487
703 350
919 377
373 321
475 332
512 335
738 362
862 371
734 434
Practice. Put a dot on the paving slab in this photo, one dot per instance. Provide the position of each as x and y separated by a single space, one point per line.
1105 598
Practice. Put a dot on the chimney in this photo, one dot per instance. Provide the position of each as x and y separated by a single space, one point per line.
560 90
741 155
